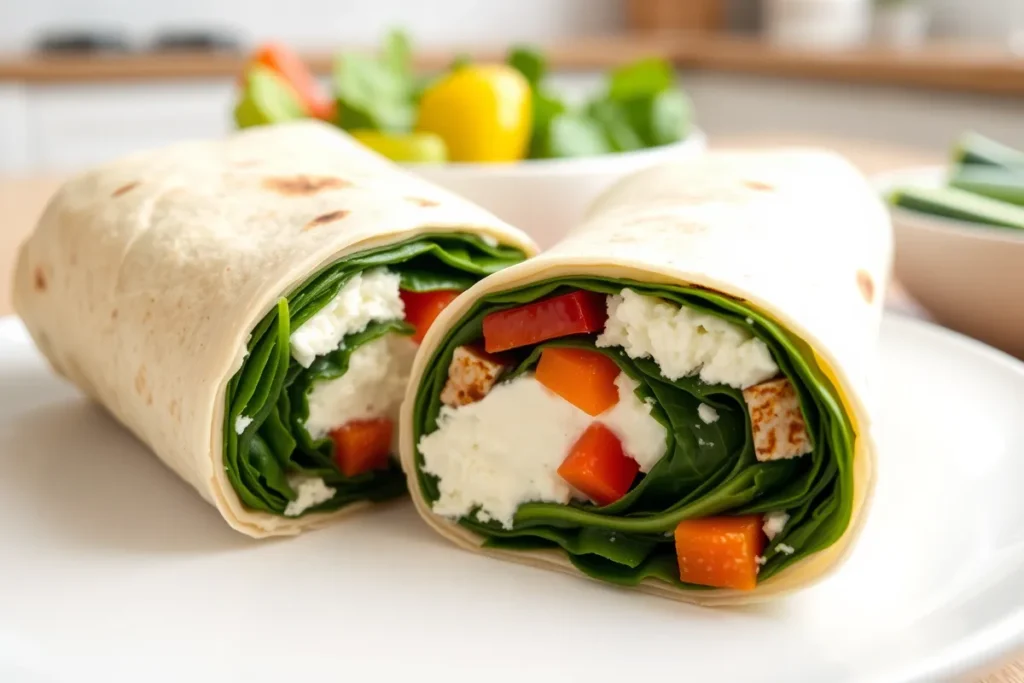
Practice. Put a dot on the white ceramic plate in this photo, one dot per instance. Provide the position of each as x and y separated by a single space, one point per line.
113 570
967 276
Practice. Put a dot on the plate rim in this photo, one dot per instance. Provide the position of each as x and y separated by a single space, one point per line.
976 654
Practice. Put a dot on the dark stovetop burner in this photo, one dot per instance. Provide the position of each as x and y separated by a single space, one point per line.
99 41
76 41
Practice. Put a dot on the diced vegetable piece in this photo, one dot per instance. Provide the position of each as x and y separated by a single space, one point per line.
578 312
362 445
960 205
471 375
408 147
776 421
597 466
294 71
422 308
720 551
584 378
991 182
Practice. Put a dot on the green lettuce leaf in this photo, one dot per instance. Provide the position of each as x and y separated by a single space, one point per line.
708 469
271 389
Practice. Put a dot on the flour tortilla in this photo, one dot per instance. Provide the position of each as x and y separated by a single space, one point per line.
145 277
797 233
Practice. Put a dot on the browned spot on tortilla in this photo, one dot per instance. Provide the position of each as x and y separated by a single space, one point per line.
866 285
125 189
146 318
113 314
759 186
325 218
40 279
140 380
298 185
149 399
73 259
420 201
175 410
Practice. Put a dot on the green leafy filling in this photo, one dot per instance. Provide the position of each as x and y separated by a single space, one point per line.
271 388
708 469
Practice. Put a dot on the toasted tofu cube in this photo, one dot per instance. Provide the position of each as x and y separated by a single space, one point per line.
471 376
776 421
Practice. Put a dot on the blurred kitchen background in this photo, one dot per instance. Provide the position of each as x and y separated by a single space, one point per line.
82 81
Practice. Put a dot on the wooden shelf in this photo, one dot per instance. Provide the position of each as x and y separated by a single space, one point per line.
964 68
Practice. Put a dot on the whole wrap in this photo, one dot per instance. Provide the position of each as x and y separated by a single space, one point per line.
797 234
144 277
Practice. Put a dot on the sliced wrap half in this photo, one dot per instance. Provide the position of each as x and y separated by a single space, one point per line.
249 309
674 397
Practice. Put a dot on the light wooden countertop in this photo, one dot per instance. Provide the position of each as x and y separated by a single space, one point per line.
953 67
23 200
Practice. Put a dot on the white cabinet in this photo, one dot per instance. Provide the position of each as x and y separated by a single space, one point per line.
15 153
66 127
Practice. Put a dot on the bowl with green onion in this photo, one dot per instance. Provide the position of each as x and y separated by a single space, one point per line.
960 238
497 133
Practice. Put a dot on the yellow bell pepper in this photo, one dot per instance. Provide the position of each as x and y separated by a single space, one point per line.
483 113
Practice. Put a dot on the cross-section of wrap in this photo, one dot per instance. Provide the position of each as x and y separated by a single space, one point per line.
674 396
250 307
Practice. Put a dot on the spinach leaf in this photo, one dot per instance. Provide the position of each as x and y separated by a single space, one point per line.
265 439
708 469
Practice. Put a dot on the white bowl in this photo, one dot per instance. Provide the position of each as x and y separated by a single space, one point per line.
547 197
970 277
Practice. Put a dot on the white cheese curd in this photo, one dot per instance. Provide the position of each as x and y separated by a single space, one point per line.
707 414
311 491
372 387
505 449
371 296
241 422
643 437
683 341
774 523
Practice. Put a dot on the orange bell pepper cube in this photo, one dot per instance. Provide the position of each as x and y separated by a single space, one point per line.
720 551
422 308
597 467
290 67
362 445
584 378
578 312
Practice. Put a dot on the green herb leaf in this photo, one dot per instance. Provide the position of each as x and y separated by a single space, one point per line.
644 78
528 62
614 119
575 135
266 98
398 53
669 117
